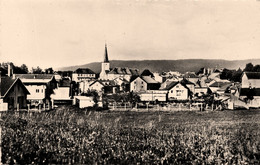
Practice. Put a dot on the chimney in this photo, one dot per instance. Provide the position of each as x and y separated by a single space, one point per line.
10 70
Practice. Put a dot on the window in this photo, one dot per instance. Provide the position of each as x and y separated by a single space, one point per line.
171 91
142 86
135 82
177 86
42 90
37 90
142 82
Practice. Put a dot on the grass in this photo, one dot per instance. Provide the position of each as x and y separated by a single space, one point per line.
72 136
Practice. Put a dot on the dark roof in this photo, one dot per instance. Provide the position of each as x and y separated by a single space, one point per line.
147 72
247 91
84 71
34 76
65 83
253 75
105 82
171 85
185 81
216 71
7 83
149 80
219 84
124 70
190 75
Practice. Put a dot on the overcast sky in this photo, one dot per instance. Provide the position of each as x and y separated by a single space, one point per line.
55 33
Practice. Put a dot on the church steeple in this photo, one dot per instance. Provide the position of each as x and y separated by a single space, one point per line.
106 55
105 66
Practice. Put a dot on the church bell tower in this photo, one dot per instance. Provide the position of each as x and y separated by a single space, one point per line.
105 66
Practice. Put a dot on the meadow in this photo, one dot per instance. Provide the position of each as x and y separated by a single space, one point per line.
72 136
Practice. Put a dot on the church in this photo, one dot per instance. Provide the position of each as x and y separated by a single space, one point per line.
108 73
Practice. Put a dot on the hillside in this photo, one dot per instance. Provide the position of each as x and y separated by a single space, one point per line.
168 65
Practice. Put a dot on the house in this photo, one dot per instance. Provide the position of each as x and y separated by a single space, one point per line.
104 86
84 101
158 77
63 93
123 84
250 88
178 91
215 74
82 74
40 86
189 84
191 76
251 96
154 95
219 86
250 79
108 73
84 86
144 83
13 93
123 72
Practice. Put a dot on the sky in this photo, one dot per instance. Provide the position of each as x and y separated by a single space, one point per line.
57 33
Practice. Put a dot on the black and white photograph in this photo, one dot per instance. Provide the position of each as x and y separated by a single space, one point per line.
130 82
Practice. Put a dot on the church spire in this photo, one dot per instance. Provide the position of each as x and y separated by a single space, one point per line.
106 55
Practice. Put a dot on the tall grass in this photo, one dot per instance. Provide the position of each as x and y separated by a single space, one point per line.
70 136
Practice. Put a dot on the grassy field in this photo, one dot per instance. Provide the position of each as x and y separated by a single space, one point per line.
68 135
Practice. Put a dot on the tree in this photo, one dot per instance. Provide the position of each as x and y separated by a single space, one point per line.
24 68
226 74
236 76
256 68
37 70
49 71
249 67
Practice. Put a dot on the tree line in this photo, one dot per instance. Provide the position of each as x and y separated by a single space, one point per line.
235 75
23 69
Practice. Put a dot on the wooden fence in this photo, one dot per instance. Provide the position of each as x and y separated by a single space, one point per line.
161 107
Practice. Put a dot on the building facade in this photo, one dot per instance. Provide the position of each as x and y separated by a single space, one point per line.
13 92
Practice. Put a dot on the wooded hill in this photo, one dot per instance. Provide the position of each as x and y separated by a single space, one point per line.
168 65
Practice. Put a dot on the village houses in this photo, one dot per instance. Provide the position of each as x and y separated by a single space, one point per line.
40 87
82 74
13 94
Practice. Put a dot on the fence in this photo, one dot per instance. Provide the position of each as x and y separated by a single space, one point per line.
160 107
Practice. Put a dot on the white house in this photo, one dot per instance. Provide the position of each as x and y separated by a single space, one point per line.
144 83
251 79
177 91
250 87
82 74
83 101
40 86
104 86
84 86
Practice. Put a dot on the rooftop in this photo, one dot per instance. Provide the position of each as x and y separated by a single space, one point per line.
149 80
253 75
7 83
84 71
